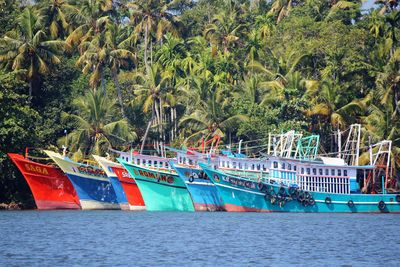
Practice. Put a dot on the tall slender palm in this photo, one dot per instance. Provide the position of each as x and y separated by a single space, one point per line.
209 118
106 50
28 47
55 17
95 127
150 90
153 16
89 20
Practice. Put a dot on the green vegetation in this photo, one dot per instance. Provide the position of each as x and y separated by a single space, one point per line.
100 73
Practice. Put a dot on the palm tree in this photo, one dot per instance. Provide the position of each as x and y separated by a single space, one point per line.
95 127
106 49
55 17
151 15
27 47
150 91
89 20
281 9
209 118
223 30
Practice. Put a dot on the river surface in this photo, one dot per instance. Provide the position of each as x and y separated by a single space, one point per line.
121 238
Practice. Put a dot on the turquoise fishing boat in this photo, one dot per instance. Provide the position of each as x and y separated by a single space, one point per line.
161 187
316 184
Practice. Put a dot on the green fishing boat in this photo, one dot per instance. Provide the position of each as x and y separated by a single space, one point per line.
161 188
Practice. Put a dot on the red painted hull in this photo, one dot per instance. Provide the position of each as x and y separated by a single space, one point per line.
131 189
50 187
235 208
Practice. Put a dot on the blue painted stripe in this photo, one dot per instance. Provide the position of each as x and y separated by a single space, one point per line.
92 189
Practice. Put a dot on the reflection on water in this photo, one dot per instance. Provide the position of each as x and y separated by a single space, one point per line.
119 238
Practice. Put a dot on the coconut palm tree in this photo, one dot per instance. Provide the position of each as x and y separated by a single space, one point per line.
153 16
55 17
150 90
209 118
28 47
95 127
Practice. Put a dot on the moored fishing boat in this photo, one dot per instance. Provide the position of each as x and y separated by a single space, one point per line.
124 185
161 188
51 188
90 182
107 165
204 194
312 185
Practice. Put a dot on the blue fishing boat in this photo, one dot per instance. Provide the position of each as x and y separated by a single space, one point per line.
90 182
319 184
107 166
204 193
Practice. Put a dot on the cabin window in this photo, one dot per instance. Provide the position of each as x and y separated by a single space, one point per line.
149 162
314 171
156 163
252 166
320 171
308 170
333 172
143 162
258 167
234 164
190 162
283 166
339 172
264 167
302 170
275 165
138 161
289 167
295 168
166 165
326 172
245 166
223 164
240 165
344 172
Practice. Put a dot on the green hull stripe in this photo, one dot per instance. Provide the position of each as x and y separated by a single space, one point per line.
168 185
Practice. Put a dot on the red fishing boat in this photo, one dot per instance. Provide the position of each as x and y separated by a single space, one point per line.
50 187
131 189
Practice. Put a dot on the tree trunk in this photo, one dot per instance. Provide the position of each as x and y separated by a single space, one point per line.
30 87
117 87
146 44
147 131
103 83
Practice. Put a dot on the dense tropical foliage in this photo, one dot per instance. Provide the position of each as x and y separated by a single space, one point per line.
95 74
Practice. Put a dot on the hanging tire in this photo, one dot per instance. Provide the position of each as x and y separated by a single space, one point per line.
381 205
350 203
273 199
305 203
292 190
311 201
307 195
398 198
328 201
300 196
191 179
282 191
260 186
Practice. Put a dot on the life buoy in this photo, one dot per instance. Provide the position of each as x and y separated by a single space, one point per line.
292 190
311 201
398 198
191 178
350 203
300 196
381 205
260 186
282 191
328 200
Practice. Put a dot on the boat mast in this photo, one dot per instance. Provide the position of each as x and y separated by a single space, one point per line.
351 151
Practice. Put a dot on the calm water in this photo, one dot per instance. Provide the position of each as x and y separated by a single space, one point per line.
118 238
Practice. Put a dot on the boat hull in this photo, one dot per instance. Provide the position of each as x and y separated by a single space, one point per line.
51 188
241 194
204 193
91 184
160 191
132 192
